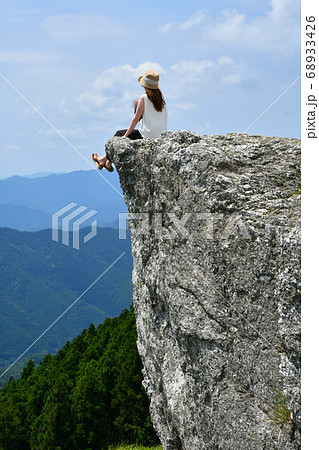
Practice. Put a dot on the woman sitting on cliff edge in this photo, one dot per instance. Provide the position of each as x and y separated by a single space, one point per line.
150 109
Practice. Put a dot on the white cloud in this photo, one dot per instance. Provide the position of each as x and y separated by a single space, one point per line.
190 70
73 132
114 87
276 31
187 81
184 78
76 25
236 73
186 106
63 108
225 60
109 96
11 148
234 79
29 111
31 57
194 20
165 29
90 99
288 10
122 75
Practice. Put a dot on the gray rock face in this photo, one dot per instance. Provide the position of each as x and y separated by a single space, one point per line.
216 249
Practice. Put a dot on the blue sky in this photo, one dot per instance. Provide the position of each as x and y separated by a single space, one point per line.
221 64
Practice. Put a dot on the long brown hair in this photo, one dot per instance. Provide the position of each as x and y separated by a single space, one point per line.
156 97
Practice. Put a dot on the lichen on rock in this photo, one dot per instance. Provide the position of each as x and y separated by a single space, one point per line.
216 247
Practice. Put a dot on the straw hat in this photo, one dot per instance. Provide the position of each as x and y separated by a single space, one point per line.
150 79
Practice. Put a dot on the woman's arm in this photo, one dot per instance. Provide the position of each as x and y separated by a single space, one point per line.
138 114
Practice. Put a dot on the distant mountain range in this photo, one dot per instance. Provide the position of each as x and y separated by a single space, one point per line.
24 218
37 175
27 203
43 174
40 278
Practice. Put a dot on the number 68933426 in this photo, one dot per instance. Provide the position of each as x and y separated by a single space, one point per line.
310 47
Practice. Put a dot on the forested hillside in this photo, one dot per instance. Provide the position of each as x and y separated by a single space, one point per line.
40 278
87 396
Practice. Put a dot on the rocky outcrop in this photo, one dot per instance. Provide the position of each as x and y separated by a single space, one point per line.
216 248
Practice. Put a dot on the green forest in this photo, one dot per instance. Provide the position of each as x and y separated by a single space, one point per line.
89 395
40 278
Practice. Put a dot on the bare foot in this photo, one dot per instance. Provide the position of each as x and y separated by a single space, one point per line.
99 159
104 162
108 165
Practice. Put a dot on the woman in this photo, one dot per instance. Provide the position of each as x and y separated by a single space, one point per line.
150 109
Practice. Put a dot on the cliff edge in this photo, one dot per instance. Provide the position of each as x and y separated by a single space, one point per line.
216 246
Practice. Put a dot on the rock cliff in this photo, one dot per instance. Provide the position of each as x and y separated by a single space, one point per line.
216 248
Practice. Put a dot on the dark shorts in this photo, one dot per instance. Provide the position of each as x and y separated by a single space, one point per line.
134 135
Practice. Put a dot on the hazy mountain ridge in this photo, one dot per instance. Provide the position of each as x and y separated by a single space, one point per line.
24 218
27 204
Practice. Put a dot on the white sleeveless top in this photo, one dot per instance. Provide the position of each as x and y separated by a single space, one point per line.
153 122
